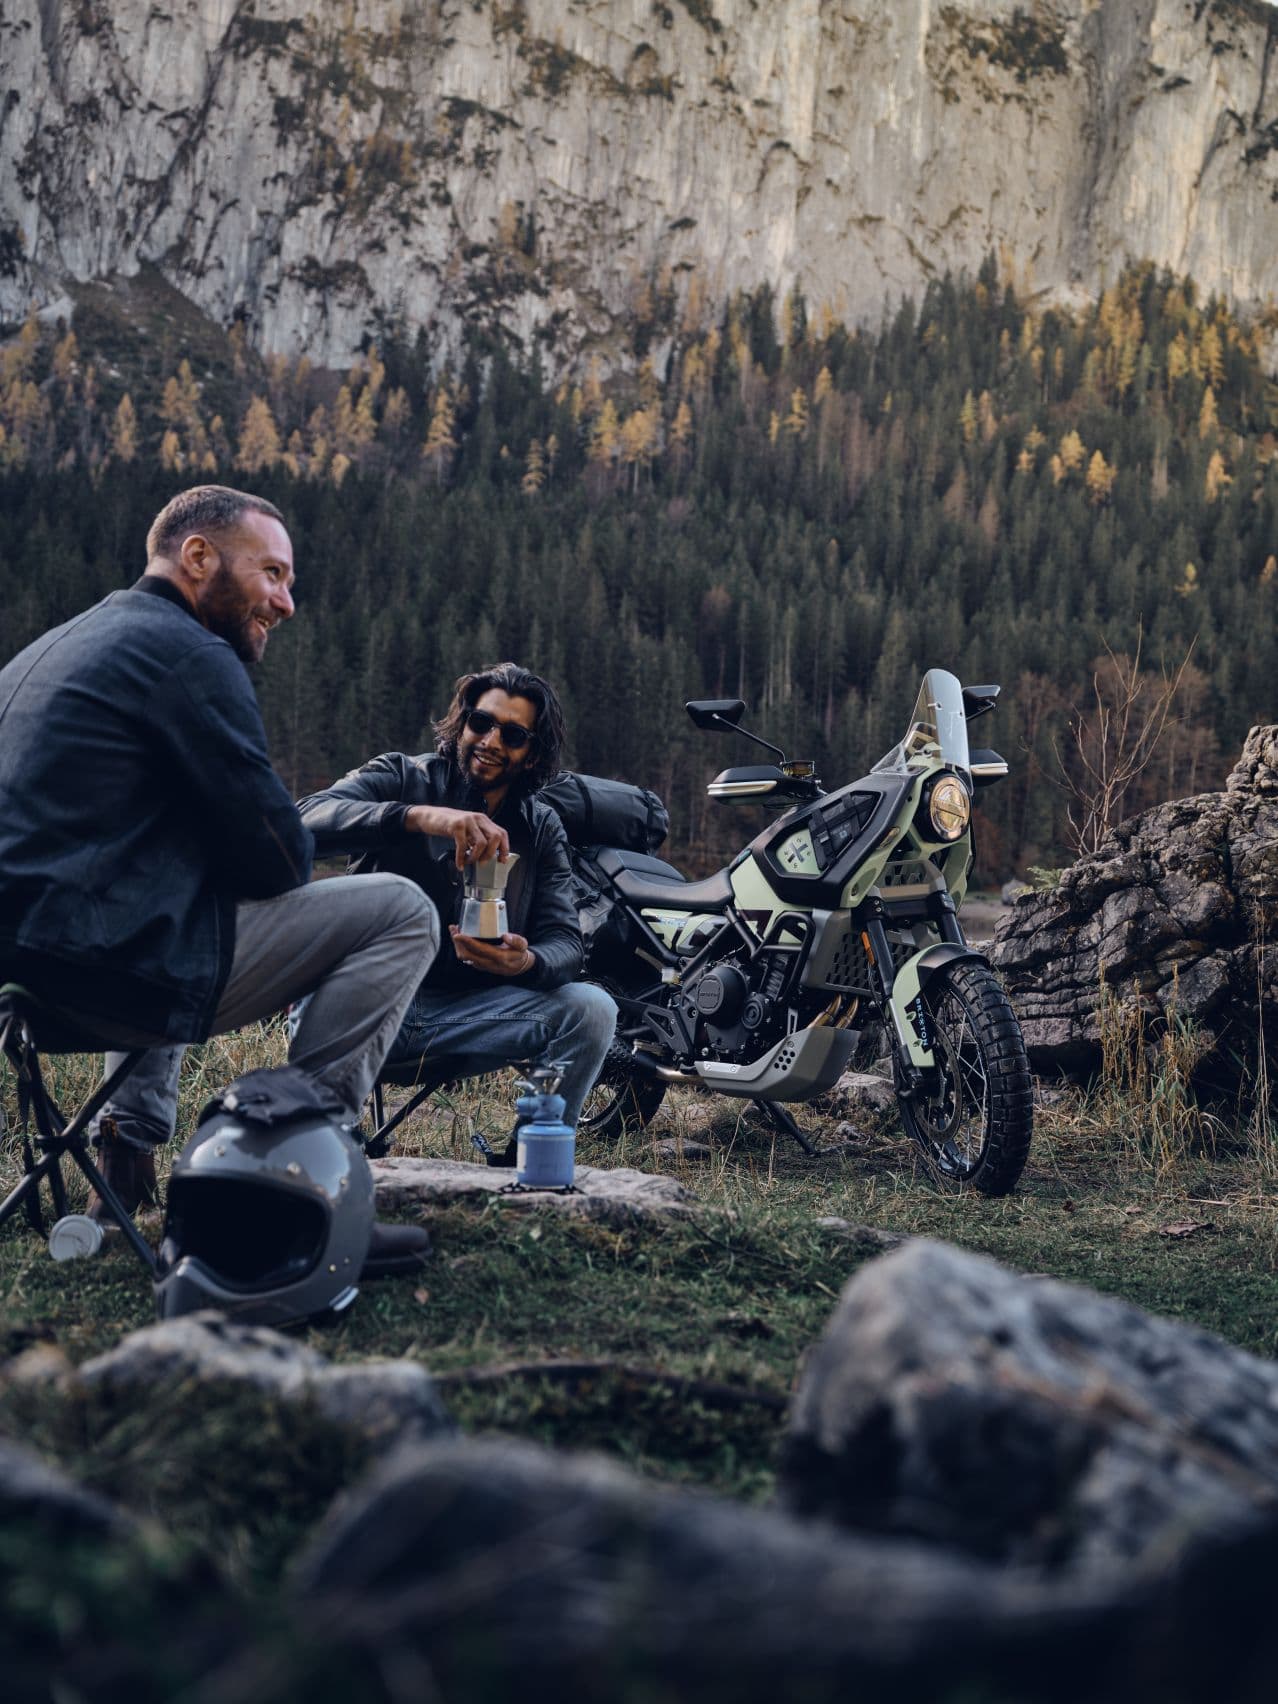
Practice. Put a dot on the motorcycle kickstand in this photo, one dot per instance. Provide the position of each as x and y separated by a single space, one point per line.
779 1116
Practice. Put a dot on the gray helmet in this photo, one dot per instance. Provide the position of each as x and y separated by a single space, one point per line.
270 1207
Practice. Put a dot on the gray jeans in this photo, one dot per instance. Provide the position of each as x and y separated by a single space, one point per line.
358 945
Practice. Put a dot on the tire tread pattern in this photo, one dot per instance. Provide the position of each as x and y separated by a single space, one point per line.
1010 1119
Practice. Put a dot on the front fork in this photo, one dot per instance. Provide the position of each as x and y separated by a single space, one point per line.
901 994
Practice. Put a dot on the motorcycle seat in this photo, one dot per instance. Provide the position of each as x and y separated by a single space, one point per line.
648 881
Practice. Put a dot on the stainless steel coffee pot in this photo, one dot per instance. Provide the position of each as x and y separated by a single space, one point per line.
483 914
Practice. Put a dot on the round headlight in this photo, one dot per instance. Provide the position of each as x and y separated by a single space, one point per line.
949 807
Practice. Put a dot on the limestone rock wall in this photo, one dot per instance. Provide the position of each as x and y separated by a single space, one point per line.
551 167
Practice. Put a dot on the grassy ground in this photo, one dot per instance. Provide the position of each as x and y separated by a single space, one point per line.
695 1330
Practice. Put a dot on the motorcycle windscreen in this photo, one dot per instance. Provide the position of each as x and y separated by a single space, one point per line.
939 720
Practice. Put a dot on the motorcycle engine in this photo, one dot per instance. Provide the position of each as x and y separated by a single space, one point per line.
728 1013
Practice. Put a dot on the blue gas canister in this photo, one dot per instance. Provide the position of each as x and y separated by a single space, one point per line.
545 1145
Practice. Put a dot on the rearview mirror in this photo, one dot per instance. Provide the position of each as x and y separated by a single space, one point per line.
710 713
978 699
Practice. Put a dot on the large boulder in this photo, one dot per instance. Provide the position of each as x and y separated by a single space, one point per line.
382 1400
1027 1421
496 1568
501 1565
1174 914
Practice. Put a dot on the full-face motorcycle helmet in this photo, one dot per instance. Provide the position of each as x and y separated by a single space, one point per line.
270 1206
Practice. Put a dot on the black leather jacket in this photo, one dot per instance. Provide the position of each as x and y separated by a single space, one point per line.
137 807
363 816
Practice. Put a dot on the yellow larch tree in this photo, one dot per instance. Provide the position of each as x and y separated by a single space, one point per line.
1072 451
441 445
259 438
681 434
637 441
796 421
1212 355
534 470
66 363
1217 478
18 357
603 436
124 431
692 370
1100 479
1177 358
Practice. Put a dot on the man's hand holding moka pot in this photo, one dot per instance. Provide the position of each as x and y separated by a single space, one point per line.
475 836
510 956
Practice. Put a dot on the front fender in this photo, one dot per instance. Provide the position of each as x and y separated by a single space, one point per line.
911 980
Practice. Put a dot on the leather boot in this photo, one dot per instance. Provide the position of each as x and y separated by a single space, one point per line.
128 1168
395 1250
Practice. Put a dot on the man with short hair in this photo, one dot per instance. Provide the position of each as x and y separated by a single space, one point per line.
482 1004
154 873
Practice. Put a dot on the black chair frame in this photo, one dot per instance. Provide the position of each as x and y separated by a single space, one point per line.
424 1084
22 1019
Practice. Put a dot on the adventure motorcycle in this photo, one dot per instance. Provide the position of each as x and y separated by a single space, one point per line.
834 930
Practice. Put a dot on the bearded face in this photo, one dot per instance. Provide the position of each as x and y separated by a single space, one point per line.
248 594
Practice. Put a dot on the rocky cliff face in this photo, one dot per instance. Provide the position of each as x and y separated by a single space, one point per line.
552 167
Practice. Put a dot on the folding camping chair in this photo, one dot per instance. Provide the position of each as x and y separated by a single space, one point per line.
424 1084
29 1028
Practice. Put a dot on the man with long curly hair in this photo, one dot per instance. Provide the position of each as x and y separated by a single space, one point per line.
483 1004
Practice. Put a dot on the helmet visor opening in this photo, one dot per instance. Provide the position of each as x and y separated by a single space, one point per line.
250 1234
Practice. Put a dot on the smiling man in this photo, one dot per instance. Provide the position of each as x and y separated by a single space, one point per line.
482 1004
154 873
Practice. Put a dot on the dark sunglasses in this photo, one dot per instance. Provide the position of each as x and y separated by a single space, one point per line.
514 736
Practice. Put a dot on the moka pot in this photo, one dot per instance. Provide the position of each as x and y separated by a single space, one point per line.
483 913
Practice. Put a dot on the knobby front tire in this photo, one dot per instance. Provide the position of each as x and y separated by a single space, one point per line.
975 1128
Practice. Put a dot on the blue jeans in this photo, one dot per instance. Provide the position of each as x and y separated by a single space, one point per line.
493 1027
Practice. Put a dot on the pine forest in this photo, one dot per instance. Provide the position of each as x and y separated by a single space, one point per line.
1077 504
